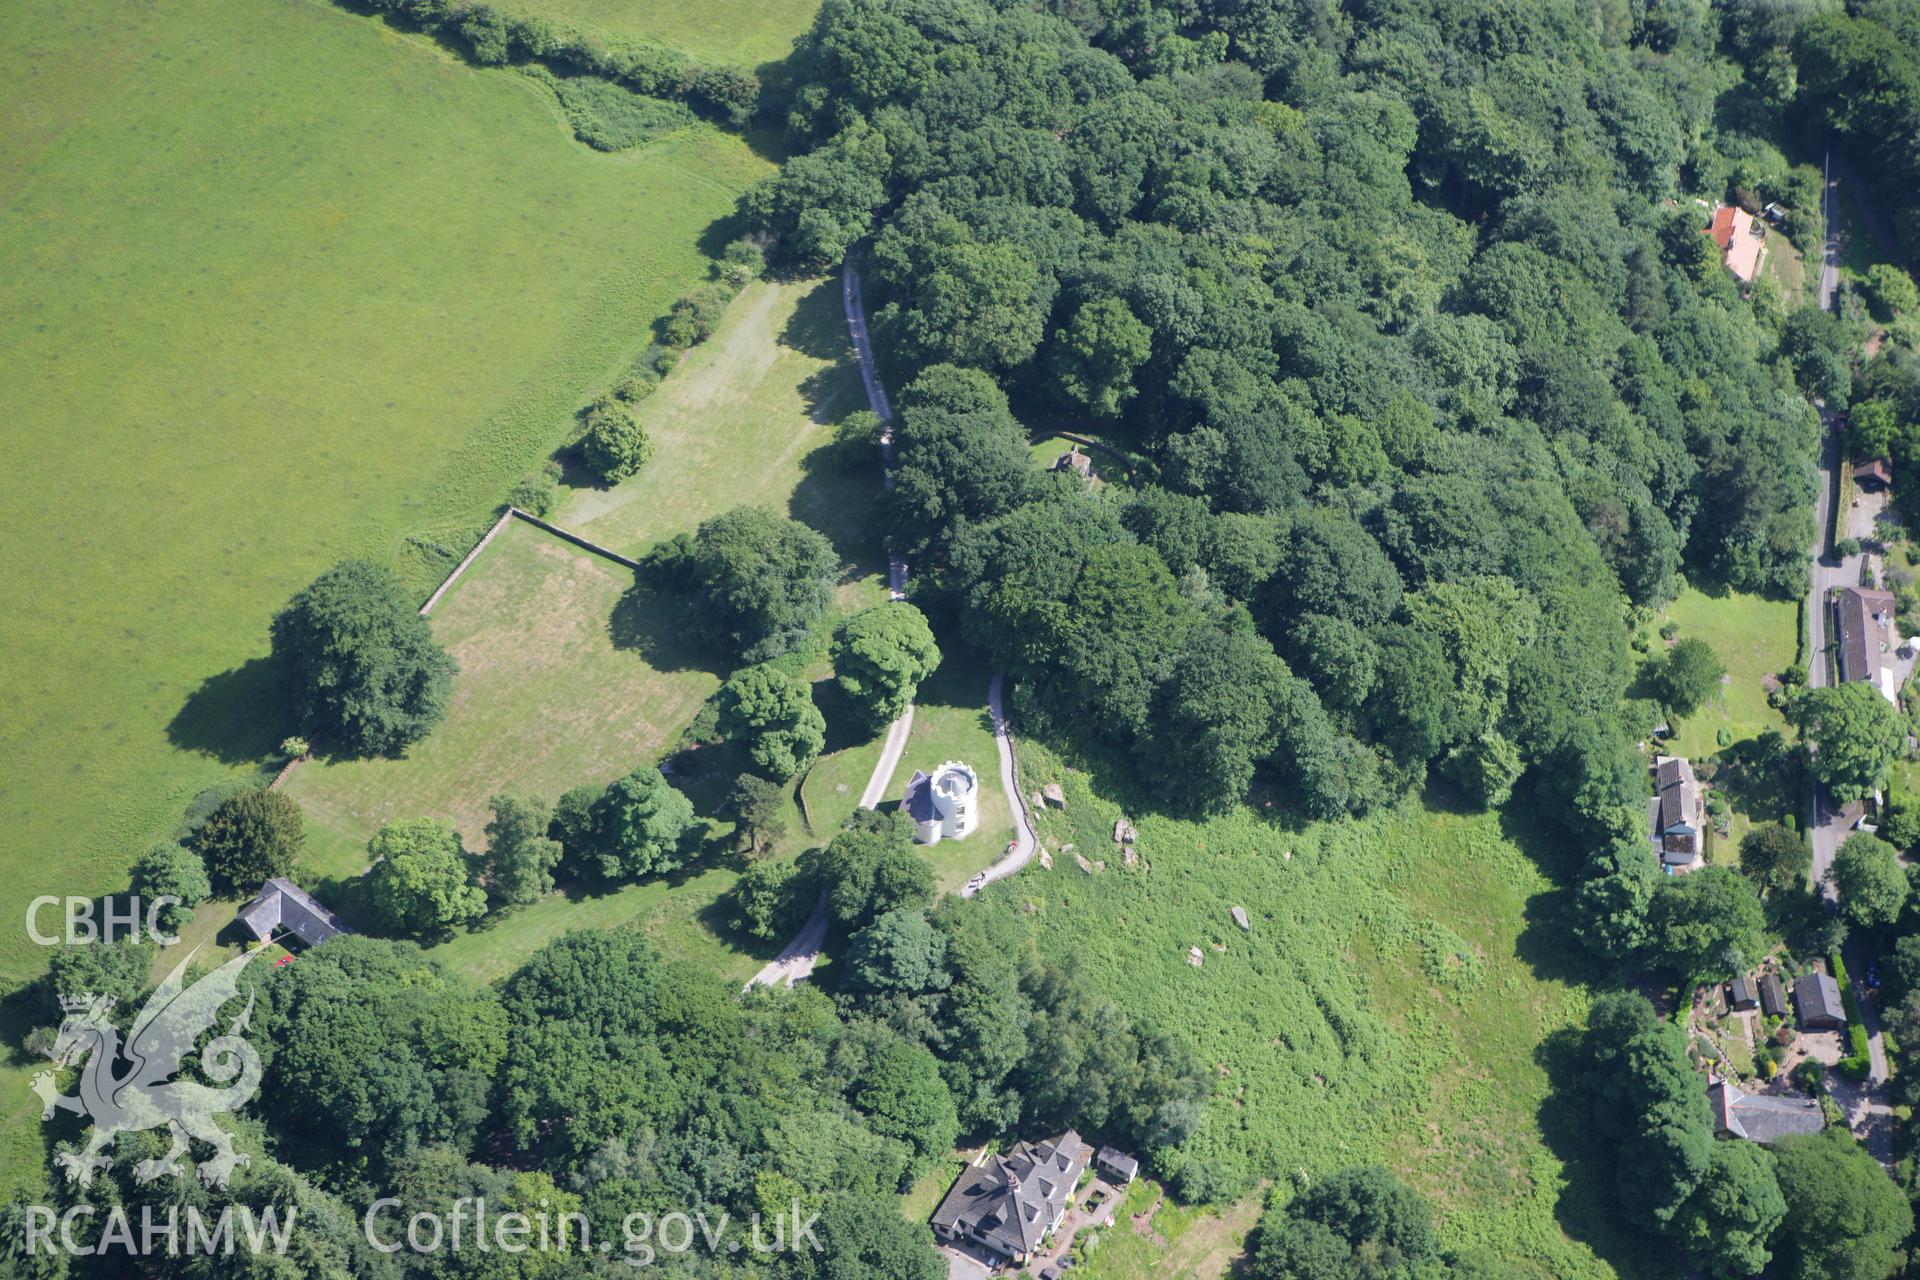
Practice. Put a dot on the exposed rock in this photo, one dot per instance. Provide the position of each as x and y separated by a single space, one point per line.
1195 957
1218 946
1098 865
1085 866
1054 796
1132 856
1240 918
1123 832
1067 848
1286 855
1046 859
1036 801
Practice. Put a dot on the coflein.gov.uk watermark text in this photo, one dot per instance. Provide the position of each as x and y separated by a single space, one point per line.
465 1225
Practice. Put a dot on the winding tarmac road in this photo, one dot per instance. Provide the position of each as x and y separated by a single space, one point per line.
797 959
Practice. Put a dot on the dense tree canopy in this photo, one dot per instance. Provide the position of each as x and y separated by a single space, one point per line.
358 664
771 712
1856 736
880 656
759 581
421 881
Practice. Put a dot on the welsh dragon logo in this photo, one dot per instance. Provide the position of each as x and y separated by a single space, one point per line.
146 1096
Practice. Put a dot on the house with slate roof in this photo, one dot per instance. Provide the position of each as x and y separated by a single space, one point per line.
1679 812
1008 1205
283 907
1818 998
1773 995
1761 1117
1863 624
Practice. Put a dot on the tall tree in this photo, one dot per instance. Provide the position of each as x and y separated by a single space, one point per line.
771 711
1867 876
421 882
880 656
641 824
359 664
251 837
520 858
1845 1219
1856 736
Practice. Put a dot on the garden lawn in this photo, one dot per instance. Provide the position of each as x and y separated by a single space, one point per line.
278 284
1754 638
1387 1004
950 722
744 33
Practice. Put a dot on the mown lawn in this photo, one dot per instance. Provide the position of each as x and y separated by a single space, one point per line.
278 284
1388 1003
570 672
1754 638
950 722
743 32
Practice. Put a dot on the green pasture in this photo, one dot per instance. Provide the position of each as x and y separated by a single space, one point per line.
278 284
742 32
571 672
1388 1003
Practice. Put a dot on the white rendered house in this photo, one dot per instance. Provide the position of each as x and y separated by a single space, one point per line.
944 805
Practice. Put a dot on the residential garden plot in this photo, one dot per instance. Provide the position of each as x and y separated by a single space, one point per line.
1387 1004
1755 640
742 32
278 284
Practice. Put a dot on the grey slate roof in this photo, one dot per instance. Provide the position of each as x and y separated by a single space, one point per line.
1773 996
1818 997
1859 610
919 798
282 904
1117 1160
1762 1117
1009 1203
1677 788
1740 993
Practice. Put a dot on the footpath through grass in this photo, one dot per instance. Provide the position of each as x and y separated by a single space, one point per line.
278 284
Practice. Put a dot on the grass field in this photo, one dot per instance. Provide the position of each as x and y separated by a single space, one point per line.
277 285
1388 1003
570 672
743 32
745 419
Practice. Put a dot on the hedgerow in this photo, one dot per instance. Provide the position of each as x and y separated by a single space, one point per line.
493 36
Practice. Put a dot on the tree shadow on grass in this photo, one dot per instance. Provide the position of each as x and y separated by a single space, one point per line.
650 623
1584 1208
846 721
1546 944
235 717
838 501
818 327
